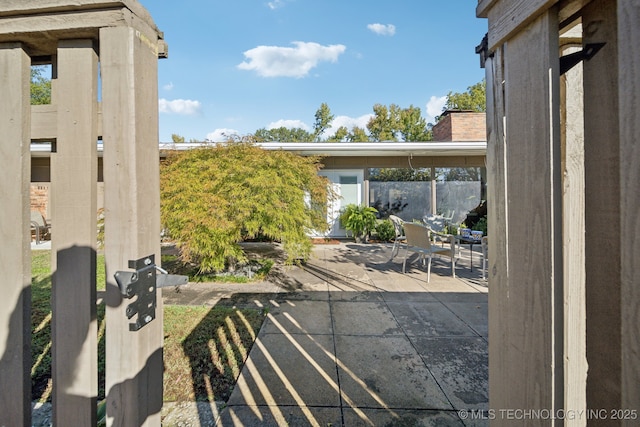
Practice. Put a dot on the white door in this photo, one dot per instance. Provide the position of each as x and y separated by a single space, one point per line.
348 185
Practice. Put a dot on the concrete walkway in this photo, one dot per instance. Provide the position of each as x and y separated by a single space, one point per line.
351 341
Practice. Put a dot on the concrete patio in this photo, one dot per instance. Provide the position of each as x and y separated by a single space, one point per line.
349 340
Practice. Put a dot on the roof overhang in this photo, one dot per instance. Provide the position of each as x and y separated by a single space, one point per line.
373 149
332 149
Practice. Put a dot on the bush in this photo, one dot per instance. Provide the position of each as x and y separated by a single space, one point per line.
481 225
359 219
385 230
213 198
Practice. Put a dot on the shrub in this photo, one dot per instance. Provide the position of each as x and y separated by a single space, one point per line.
359 219
212 198
385 230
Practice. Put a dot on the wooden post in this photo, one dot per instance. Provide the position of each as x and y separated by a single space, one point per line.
498 277
132 220
629 101
602 204
15 253
572 106
74 165
526 337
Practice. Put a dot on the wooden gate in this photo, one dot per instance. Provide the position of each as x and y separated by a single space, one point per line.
118 41
563 108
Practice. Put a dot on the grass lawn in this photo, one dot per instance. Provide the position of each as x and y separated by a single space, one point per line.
204 347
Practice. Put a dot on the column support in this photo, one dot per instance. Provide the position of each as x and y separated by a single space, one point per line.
74 166
15 235
132 220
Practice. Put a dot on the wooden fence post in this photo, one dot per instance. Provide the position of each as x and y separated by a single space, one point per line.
132 219
74 165
525 302
629 101
15 253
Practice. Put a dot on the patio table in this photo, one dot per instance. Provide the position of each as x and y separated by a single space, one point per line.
468 240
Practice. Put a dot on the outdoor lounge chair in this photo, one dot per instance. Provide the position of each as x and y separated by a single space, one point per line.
39 226
419 240
400 237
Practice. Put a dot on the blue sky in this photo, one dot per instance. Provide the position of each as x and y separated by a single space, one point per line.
236 66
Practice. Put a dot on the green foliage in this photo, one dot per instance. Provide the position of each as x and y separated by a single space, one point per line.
341 135
393 123
481 225
473 99
399 174
323 118
357 134
213 198
282 134
459 174
385 230
412 126
40 86
359 219
175 138
384 123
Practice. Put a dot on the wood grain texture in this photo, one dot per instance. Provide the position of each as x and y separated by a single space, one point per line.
573 227
629 93
532 347
74 172
497 231
506 17
22 7
132 221
15 253
602 208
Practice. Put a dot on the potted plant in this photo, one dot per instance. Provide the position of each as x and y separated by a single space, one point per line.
360 220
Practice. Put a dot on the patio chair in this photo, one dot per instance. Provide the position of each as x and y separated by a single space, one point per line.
39 226
419 240
400 237
434 222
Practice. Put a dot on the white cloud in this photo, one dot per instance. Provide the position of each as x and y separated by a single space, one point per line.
382 29
349 123
289 124
277 61
168 86
222 135
185 107
434 107
275 4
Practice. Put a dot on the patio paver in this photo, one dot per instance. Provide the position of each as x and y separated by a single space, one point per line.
352 341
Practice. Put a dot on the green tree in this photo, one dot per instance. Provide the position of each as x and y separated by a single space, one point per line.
282 134
384 123
341 135
177 138
323 120
213 198
357 134
399 174
40 86
473 99
412 126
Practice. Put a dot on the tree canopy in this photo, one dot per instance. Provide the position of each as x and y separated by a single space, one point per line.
213 198
473 99
40 86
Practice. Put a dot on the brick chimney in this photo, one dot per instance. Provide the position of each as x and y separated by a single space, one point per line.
461 125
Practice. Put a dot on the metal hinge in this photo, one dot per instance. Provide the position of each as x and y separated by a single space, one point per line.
142 284
567 62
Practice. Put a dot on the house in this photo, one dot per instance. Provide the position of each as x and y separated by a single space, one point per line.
354 169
